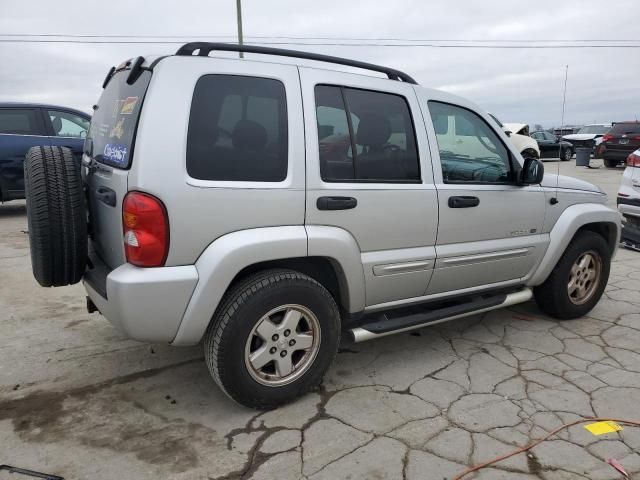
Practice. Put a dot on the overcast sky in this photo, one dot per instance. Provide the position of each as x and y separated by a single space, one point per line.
517 85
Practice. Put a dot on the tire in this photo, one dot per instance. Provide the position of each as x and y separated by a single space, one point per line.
567 154
529 153
553 296
610 163
232 339
56 216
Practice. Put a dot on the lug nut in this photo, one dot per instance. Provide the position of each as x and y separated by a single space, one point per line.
272 350
292 342
283 353
287 333
275 337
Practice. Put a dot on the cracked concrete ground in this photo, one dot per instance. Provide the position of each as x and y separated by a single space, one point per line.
79 400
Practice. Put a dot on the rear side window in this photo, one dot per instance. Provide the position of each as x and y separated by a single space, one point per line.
115 120
66 124
18 122
365 136
238 129
629 128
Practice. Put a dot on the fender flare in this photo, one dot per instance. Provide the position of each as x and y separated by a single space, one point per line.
565 228
341 248
225 257
222 260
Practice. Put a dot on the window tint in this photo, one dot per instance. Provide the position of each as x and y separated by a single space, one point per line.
371 138
238 129
625 128
18 121
67 124
537 136
470 152
115 120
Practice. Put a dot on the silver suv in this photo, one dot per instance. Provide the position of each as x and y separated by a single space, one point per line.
266 206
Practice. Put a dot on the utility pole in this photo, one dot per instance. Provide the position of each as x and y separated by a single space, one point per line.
239 12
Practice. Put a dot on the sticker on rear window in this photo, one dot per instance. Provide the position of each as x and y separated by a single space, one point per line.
118 129
116 154
128 105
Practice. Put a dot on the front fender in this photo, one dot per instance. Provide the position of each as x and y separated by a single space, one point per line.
223 259
570 221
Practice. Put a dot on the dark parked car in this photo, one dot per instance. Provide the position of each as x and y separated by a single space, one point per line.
622 140
551 147
25 125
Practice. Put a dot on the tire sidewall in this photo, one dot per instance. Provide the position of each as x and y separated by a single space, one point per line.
233 371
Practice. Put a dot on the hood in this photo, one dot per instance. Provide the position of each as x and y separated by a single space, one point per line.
515 127
582 136
569 183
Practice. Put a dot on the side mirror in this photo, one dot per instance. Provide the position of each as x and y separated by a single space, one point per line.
507 133
532 172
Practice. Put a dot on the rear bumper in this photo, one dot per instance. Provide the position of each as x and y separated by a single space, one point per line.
620 155
146 303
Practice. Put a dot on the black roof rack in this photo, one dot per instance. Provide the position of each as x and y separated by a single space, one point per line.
204 48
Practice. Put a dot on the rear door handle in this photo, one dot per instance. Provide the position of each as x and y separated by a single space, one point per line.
106 195
463 202
336 203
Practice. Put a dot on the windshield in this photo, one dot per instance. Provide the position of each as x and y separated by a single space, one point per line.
626 128
114 122
594 129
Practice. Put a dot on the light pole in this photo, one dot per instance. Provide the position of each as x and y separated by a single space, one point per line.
239 12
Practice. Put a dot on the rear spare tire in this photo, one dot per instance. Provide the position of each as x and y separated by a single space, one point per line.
56 216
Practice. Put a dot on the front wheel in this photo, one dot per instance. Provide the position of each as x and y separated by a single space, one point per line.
272 338
578 280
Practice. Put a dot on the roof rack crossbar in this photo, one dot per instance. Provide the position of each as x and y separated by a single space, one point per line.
204 48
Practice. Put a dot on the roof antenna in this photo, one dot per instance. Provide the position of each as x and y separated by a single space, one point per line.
554 200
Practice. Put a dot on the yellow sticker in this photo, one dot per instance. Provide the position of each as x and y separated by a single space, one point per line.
117 131
600 428
128 105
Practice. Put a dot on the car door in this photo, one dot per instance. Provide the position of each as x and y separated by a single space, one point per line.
67 129
551 145
369 174
20 129
489 228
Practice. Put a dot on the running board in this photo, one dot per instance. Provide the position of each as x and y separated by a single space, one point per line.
388 324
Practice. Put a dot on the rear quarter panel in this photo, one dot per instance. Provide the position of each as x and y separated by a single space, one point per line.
201 211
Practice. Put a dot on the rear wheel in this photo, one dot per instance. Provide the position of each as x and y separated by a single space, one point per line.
273 338
567 154
576 283
610 163
56 216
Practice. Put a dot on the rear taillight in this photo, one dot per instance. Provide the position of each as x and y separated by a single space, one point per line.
606 137
633 160
146 230
635 137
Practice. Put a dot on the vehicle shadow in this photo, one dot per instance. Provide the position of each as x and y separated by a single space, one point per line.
8 210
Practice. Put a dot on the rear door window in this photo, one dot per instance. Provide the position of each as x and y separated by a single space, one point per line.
114 122
365 136
19 121
67 124
238 129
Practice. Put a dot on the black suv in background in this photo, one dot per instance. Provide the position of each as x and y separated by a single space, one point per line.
26 125
619 142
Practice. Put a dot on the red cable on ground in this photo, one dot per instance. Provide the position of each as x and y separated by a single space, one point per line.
526 448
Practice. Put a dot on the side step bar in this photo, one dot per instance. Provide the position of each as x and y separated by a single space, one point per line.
388 324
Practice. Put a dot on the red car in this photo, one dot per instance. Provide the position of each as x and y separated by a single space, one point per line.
622 140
